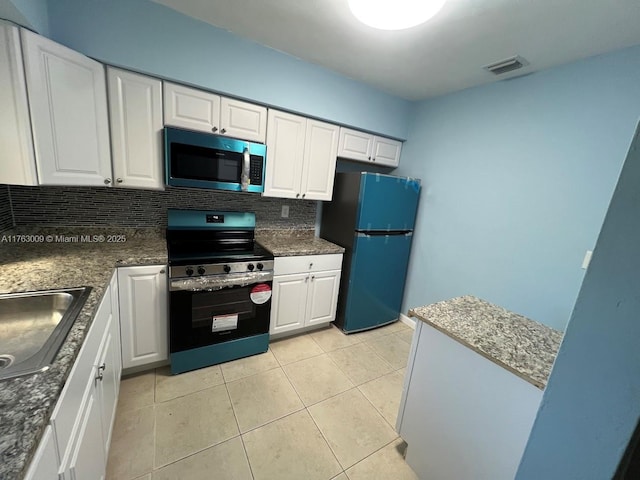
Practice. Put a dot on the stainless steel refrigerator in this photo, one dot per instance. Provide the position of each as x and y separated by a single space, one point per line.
372 216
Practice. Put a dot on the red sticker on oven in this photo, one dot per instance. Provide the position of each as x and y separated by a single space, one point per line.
260 294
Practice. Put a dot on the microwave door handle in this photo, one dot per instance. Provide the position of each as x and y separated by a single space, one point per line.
244 180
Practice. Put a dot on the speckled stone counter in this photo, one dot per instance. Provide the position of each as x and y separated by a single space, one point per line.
287 243
520 345
26 403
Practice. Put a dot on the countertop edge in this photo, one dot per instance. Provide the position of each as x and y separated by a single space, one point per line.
491 358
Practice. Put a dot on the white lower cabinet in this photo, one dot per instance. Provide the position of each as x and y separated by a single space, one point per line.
143 315
44 465
76 443
305 291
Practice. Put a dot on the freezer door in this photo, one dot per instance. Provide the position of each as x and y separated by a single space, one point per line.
387 202
376 281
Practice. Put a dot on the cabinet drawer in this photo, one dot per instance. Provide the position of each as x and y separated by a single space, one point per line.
307 263
66 410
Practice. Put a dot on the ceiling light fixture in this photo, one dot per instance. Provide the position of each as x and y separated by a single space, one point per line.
396 14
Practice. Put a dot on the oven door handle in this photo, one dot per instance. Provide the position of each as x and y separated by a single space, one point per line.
218 282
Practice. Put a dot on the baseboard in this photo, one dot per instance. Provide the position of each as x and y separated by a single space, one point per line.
408 321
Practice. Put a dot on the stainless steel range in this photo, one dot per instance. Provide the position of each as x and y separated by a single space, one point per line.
220 284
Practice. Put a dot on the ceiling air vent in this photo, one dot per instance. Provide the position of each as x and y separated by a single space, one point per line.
507 65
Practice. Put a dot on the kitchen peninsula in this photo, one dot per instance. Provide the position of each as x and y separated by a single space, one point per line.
474 382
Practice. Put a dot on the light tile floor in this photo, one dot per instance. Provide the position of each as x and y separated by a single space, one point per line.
317 406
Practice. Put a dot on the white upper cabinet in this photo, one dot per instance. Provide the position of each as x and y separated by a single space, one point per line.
17 161
68 106
194 109
301 157
364 147
355 145
386 151
320 155
190 108
243 120
135 112
285 152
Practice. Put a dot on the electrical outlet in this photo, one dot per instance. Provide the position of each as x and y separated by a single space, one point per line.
587 259
285 211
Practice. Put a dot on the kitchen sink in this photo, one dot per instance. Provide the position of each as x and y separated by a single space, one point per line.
33 326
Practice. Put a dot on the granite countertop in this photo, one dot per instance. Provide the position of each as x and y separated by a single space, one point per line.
287 243
522 346
26 403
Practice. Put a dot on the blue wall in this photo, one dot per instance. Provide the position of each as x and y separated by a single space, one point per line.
592 402
152 38
517 177
32 14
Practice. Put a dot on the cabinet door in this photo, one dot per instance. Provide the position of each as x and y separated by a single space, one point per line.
107 384
386 151
68 105
143 315
44 465
115 329
135 108
17 162
323 297
88 460
320 155
190 108
285 154
288 307
355 145
243 120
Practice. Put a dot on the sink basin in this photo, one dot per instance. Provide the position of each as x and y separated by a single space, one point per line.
33 326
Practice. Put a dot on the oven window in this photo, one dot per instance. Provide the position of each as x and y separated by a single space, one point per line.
228 301
200 163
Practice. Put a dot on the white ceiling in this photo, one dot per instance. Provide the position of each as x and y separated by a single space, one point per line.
443 55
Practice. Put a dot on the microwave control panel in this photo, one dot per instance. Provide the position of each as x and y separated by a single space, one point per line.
255 170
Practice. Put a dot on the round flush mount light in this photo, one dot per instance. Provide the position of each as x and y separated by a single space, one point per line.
394 14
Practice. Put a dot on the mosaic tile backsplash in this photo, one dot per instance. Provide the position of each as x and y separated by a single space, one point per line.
6 220
99 206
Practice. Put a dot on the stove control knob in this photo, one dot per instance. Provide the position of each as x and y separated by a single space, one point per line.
250 267
189 271
260 266
201 270
226 268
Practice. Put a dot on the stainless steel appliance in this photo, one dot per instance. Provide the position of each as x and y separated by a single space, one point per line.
203 160
372 216
220 283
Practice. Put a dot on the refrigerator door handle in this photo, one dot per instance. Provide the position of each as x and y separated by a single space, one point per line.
406 233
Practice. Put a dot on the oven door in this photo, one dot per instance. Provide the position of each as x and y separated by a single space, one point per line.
200 318
201 160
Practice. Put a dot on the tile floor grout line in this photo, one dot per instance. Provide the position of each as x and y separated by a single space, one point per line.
373 453
244 447
327 442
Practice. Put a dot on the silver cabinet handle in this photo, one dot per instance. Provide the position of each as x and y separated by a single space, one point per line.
214 129
369 157
107 181
311 265
374 159
224 130
101 370
162 271
297 195
312 277
119 180
306 279
303 195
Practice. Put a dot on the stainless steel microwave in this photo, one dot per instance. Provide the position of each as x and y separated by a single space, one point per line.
203 160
